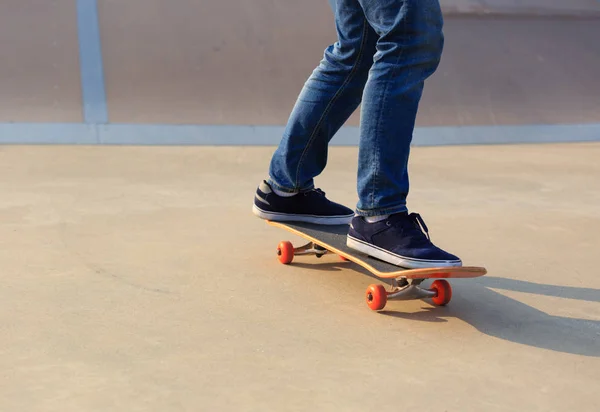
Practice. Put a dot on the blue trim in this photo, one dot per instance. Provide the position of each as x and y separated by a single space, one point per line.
165 134
92 70
47 133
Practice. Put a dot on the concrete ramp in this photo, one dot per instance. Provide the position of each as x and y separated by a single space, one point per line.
224 62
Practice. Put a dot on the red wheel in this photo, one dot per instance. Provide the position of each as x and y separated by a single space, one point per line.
285 252
443 292
376 297
343 258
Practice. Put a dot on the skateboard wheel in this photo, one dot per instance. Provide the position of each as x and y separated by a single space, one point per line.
285 252
443 290
343 258
376 297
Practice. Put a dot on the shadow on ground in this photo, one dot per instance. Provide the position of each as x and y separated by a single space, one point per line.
494 314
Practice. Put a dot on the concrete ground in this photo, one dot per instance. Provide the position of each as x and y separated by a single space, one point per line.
137 279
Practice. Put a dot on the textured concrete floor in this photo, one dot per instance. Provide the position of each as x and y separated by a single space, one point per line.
136 279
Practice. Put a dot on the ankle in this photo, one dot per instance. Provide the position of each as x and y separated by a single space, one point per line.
375 219
281 193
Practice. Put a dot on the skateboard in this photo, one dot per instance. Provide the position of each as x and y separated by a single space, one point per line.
405 283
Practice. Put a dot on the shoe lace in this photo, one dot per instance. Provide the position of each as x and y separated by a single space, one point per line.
417 226
316 190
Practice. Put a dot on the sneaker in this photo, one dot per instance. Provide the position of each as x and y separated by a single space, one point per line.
311 206
402 240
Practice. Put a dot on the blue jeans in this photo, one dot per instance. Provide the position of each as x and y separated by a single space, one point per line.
385 51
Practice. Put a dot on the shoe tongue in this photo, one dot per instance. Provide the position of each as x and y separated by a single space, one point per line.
401 218
407 222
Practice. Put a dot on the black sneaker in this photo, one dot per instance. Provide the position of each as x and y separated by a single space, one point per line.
402 240
311 206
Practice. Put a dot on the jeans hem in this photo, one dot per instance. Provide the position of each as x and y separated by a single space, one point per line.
283 189
382 211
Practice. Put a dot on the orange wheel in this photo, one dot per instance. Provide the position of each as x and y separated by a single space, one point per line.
343 258
443 290
285 252
376 297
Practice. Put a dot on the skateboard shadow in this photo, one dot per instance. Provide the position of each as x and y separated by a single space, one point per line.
475 302
503 317
426 314
567 292
323 266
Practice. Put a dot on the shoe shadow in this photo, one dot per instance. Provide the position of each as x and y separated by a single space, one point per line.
503 317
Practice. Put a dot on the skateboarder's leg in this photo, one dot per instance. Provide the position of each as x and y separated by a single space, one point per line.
327 100
409 48
329 97
408 51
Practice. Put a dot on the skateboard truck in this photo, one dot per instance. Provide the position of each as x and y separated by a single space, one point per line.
310 248
402 289
440 292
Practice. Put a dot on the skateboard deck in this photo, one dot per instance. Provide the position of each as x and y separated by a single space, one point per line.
323 239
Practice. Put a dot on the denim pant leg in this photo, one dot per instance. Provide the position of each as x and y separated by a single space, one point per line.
327 100
409 49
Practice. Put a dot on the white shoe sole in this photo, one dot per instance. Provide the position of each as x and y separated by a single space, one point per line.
320 220
394 259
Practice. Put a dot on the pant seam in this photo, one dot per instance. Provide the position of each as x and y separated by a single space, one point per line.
284 189
334 99
382 211
379 118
